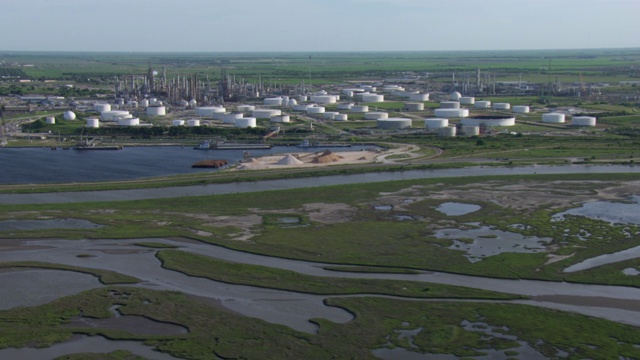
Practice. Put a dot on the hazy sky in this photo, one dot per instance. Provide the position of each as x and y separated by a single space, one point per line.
317 25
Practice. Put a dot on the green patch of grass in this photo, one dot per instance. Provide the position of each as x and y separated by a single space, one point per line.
156 245
254 275
106 277
371 269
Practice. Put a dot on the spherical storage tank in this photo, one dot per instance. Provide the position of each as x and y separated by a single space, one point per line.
50 120
376 115
280 119
264 113
482 104
435 123
583 121
414 106
93 123
455 96
69 115
246 122
520 109
489 121
156 111
394 123
451 113
193 122
177 122
101 107
502 106
467 100
556 118
449 105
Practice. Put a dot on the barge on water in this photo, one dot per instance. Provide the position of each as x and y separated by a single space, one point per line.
206 145
209 164
100 147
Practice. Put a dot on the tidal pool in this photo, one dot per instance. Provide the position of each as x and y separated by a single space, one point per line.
457 209
612 212
485 241
605 259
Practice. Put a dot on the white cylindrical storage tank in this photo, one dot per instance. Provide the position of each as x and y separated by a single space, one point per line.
277 101
419 97
447 131
302 98
133 104
144 103
264 113
330 115
372 98
114 115
324 99
248 122
280 119
345 106
556 118
230 118
449 105
491 120
177 122
482 104
348 93
359 108
435 123
414 106
341 117
193 122
376 115
520 109
93 123
583 121
502 106
209 111
467 100
129 122
101 107
470 130
321 92
316 110
301 107
451 113
245 108
156 111
394 123
69 115
50 120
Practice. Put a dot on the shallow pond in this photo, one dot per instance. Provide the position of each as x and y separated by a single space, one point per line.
612 212
457 209
84 344
485 241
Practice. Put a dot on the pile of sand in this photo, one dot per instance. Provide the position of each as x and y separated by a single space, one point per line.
289 160
326 157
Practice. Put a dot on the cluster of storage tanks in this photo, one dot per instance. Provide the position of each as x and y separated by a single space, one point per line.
559 118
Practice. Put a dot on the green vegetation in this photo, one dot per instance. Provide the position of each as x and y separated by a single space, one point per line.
105 276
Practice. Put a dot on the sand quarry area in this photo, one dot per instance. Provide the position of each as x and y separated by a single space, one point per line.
322 157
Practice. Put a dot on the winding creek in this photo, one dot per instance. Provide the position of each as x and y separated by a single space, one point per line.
288 308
